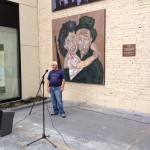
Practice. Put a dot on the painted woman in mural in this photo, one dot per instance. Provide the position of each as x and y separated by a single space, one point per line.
68 48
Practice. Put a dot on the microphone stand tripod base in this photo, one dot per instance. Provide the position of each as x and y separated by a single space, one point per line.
43 137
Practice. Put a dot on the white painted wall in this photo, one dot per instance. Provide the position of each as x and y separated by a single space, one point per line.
29 47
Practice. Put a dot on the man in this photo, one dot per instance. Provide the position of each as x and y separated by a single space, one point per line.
86 35
55 86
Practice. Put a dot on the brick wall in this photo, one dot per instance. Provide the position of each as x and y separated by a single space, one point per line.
127 79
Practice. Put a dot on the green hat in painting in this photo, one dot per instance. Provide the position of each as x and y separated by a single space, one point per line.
88 23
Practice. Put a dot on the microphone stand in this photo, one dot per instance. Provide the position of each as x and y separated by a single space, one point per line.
42 80
43 134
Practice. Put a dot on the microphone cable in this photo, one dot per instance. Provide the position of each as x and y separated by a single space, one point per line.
27 114
51 122
56 128
25 117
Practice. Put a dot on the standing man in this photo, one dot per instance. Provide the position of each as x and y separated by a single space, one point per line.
55 86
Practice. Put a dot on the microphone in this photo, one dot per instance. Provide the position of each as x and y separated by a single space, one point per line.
45 72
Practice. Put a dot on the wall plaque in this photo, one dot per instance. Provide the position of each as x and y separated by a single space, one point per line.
129 50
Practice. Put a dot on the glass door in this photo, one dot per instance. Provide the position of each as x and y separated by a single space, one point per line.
9 60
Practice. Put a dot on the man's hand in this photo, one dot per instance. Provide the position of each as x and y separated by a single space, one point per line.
61 88
62 85
48 89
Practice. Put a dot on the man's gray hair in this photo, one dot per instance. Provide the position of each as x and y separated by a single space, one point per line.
54 63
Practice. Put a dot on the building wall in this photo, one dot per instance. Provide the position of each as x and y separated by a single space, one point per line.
127 79
29 47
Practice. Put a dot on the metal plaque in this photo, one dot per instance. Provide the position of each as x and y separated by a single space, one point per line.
129 50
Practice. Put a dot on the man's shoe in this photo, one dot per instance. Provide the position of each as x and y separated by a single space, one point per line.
56 113
63 115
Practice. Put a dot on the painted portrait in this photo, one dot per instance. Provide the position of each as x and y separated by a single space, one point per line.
63 4
79 47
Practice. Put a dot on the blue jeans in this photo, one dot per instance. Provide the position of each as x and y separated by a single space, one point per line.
56 96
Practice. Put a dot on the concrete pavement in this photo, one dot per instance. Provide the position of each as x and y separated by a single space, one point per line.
86 127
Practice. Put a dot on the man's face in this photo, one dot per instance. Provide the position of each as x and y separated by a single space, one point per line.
71 43
54 66
84 40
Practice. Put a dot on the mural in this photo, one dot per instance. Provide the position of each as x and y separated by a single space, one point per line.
78 47
63 4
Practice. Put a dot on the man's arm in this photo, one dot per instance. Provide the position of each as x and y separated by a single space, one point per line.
48 88
62 85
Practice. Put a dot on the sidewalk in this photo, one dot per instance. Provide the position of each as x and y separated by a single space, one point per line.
86 127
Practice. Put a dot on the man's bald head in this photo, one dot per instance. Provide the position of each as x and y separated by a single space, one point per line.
54 65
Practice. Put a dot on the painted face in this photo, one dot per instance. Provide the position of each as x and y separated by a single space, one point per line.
84 40
71 43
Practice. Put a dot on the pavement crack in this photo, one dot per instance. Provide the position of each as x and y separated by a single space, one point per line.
139 137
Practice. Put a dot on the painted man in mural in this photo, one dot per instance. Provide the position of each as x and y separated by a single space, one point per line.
68 48
86 35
